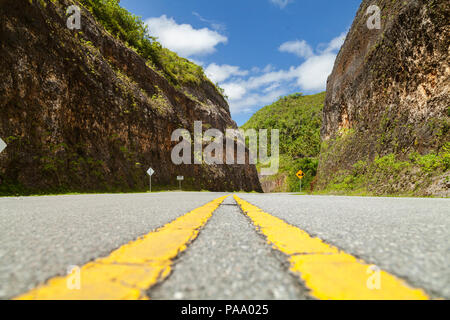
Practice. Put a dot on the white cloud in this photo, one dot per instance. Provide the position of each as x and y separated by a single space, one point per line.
257 91
336 43
215 25
247 104
267 68
272 87
297 47
234 91
263 86
197 62
281 3
183 38
269 78
312 75
221 73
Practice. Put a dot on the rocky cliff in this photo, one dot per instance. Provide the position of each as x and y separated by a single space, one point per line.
386 114
82 111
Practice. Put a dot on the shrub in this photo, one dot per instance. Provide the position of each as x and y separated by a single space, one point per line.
299 119
133 31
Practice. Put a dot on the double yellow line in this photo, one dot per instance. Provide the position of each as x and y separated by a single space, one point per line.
325 270
128 272
131 270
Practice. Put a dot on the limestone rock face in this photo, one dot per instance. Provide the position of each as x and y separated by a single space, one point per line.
80 111
389 89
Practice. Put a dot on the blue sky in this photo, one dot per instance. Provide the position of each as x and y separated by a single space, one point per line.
257 50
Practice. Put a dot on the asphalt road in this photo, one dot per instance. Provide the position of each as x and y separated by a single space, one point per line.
229 261
40 237
409 237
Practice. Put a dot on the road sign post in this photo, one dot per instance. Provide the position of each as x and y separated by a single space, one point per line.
150 172
180 178
300 174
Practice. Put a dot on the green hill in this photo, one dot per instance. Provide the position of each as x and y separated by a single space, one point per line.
299 119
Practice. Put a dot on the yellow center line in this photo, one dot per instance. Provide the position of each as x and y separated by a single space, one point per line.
325 270
133 268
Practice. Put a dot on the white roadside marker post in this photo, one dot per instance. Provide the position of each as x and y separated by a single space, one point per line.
180 178
150 172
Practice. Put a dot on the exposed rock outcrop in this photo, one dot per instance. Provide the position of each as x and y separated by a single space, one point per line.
81 111
389 94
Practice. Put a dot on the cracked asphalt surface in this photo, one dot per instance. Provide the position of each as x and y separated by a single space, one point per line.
40 237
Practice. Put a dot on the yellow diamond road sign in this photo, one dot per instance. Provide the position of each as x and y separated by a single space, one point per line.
300 174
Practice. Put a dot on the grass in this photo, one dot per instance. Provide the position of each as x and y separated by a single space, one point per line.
390 175
154 190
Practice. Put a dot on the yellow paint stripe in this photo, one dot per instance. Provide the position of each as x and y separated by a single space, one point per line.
133 268
328 272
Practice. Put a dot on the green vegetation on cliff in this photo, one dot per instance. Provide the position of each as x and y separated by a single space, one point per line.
133 31
299 119
89 110
408 174
386 121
